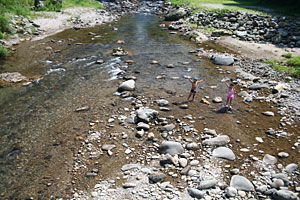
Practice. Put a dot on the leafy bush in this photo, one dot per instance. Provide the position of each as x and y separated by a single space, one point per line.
3 52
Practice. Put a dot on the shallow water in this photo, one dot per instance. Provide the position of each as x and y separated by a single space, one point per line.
38 122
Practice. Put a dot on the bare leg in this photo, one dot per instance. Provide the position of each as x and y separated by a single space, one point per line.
227 102
193 96
189 96
230 102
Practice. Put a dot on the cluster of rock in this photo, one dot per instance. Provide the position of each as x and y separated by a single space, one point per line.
245 26
132 6
22 25
195 158
170 150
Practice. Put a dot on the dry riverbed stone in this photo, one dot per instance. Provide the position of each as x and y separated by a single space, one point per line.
241 183
171 148
224 152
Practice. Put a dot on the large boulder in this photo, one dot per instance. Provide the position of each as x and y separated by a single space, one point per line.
127 86
171 148
223 60
176 14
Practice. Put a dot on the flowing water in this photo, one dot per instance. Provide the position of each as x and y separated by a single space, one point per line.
38 122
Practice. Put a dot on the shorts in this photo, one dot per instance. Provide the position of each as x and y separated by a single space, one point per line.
193 91
230 96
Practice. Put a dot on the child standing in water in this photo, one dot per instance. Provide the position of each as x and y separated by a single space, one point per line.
194 82
230 95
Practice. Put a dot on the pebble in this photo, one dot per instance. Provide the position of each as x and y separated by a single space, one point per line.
195 193
231 191
269 159
291 167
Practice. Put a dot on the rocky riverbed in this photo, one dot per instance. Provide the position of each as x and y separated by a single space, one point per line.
125 131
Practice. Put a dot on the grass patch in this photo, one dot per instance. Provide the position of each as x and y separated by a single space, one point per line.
287 55
83 3
290 65
295 62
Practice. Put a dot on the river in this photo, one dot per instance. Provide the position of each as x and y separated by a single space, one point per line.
39 125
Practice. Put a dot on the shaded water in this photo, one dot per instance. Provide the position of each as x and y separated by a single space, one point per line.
38 122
